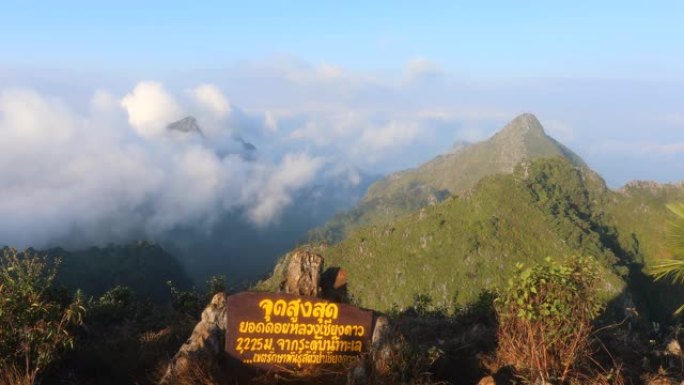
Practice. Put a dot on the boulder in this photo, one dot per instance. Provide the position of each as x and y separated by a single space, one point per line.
205 345
381 346
303 275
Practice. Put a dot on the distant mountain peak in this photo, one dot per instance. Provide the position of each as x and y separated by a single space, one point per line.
455 172
187 124
523 124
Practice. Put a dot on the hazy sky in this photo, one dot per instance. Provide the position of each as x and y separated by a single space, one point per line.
596 39
323 89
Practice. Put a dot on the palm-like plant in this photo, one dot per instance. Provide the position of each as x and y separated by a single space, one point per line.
673 268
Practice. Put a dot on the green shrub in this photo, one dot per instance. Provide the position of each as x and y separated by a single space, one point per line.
192 302
545 319
34 325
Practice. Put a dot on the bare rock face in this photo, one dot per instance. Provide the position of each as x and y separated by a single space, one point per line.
205 345
381 346
185 125
304 274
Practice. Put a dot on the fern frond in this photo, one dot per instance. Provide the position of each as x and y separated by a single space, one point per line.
670 268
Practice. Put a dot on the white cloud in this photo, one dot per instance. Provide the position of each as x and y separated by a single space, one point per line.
391 135
31 121
559 130
150 108
421 69
66 173
328 129
103 101
472 134
639 148
270 122
211 97
296 171
330 71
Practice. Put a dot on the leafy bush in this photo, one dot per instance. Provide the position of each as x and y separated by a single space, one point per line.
545 319
192 302
34 325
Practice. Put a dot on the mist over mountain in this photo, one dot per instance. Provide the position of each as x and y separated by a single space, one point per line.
192 172
242 252
215 183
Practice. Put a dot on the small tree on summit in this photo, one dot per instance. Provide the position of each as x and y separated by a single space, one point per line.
673 268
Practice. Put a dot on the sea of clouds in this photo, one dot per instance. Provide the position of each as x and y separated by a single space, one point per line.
117 171
104 167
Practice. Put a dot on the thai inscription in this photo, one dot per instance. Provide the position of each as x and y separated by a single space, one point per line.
281 330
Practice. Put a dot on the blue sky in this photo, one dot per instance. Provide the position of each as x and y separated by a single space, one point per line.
598 39
326 91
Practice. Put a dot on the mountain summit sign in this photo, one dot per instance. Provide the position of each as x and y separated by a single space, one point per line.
274 331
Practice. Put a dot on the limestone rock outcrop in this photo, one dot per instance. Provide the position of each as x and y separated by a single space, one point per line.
206 343
303 276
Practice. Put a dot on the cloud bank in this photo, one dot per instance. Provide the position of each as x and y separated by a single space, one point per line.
117 172
105 167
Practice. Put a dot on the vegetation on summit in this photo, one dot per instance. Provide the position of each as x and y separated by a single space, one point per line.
456 249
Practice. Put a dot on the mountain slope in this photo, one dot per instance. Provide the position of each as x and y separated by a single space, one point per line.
523 138
144 267
454 250
454 173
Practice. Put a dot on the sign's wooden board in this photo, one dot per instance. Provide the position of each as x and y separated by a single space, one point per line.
275 331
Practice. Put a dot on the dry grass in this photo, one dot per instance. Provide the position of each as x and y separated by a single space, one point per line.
11 375
531 346
198 375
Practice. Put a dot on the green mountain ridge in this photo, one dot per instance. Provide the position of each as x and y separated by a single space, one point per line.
473 240
454 173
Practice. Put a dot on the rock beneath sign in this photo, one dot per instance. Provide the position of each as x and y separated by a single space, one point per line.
381 346
304 272
205 345
357 375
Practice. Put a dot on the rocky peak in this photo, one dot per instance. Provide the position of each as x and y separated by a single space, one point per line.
186 125
522 125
